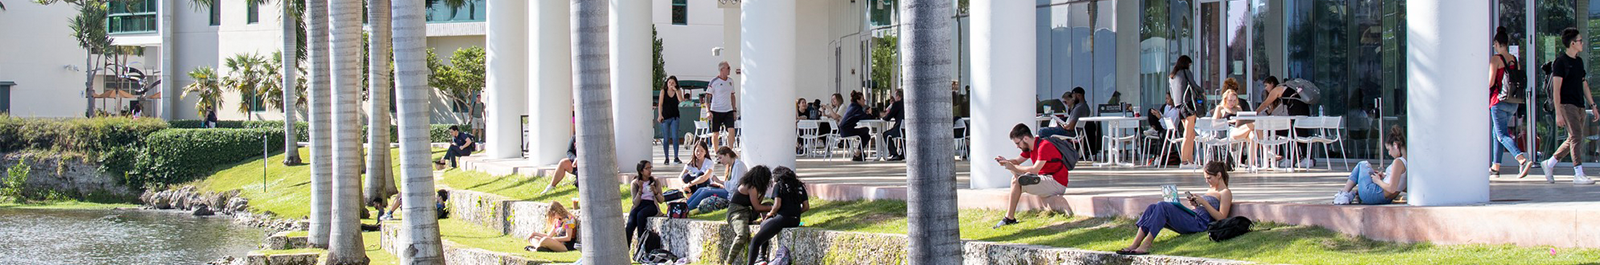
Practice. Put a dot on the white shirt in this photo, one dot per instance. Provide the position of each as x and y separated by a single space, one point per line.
701 169
721 95
736 172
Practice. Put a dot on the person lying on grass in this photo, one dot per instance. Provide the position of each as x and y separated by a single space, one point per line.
563 233
1216 204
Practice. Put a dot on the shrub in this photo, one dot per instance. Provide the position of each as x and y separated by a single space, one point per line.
436 132
88 135
179 155
15 177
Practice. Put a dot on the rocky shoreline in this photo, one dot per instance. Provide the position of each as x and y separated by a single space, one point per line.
229 203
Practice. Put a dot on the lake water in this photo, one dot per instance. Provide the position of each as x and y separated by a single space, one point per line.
30 236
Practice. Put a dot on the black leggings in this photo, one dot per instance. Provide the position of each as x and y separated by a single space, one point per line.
769 229
639 216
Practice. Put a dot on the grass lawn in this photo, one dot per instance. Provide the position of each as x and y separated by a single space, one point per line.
476 236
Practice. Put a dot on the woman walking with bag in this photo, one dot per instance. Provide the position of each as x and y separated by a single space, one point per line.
1502 104
1181 82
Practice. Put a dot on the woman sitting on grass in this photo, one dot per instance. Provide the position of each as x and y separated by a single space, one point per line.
563 233
1216 204
699 179
1375 188
790 201
744 205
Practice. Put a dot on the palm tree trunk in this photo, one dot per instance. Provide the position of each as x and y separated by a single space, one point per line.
321 134
380 177
935 236
344 239
421 241
291 147
601 231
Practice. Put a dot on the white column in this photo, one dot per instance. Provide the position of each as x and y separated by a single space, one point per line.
507 77
730 43
631 51
767 93
550 80
1445 41
169 68
1002 84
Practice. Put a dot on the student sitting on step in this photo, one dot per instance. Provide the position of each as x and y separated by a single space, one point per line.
1374 188
562 235
1046 177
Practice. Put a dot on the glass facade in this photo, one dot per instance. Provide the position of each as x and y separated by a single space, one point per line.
131 17
439 11
1076 48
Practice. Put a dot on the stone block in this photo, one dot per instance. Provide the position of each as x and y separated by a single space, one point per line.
282 240
310 257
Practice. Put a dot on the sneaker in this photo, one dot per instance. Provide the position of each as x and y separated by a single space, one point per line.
1580 179
1307 163
1189 166
1005 222
1549 166
1341 198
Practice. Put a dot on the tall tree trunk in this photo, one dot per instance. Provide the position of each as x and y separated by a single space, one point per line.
88 83
344 239
601 231
321 134
380 177
291 145
420 243
935 235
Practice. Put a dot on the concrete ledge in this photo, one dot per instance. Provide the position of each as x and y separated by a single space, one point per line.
389 240
282 240
293 257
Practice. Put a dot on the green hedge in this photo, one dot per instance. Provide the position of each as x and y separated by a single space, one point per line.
90 135
179 155
436 132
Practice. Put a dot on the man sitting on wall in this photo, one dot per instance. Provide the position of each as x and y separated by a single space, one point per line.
1046 177
462 145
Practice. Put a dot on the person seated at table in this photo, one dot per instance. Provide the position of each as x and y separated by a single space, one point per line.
699 181
1215 204
1046 177
1375 188
1283 101
896 113
1243 131
847 123
833 112
1076 108
562 235
802 112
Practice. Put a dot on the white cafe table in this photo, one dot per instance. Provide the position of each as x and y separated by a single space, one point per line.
876 128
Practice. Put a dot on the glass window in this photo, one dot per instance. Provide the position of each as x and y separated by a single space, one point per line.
216 13
441 11
5 98
137 16
680 12
252 12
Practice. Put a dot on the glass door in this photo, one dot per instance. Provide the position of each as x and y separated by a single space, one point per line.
1223 38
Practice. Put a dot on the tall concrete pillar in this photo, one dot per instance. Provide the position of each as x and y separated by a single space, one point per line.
550 80
1446 41
767 94
730 43
631 49
167 105
507 77
1003 35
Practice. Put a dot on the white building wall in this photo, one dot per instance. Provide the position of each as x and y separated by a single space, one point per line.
687 48
48 65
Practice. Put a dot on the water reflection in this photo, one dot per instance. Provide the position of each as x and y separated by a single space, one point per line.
119 237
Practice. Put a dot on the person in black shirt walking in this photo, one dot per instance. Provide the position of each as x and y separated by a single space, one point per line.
1571 92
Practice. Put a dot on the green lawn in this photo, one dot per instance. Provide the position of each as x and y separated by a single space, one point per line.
1272 243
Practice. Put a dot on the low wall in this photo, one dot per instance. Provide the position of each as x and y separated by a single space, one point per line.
390 241
707 241
71 176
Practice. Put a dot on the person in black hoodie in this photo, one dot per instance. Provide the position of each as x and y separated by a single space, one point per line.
847 125
897 113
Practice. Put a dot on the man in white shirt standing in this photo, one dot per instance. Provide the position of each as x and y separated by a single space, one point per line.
723 105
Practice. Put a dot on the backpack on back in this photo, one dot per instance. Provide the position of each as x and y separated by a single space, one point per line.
1069 156
1229 228
1514 83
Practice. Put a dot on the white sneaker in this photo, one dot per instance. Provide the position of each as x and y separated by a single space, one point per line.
1549 166
1189 166
1341 198
1307 163
1580 179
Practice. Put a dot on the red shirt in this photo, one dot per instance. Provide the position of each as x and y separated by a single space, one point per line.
1044 152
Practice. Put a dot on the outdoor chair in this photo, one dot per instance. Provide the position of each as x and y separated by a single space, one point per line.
1170 141
962 140
811 140
1122 138
1268 140
1212 136
1078 138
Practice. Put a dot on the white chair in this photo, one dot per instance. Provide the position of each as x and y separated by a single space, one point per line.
1171 140
1212 135
810 138
1122 138
963 139
1268 140
1077 138
1331 132
1315 126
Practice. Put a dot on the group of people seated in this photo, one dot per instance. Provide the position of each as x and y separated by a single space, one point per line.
1048 176
849 116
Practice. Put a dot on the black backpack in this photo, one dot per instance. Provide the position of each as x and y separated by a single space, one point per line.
1069 155
1514 84
648 249
1229 228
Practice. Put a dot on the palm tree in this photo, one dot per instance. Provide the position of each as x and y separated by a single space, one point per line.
207 87
935 236
344 238
380 178
291 67
410 51
247 74
603 242
272 91
89 28
321 138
